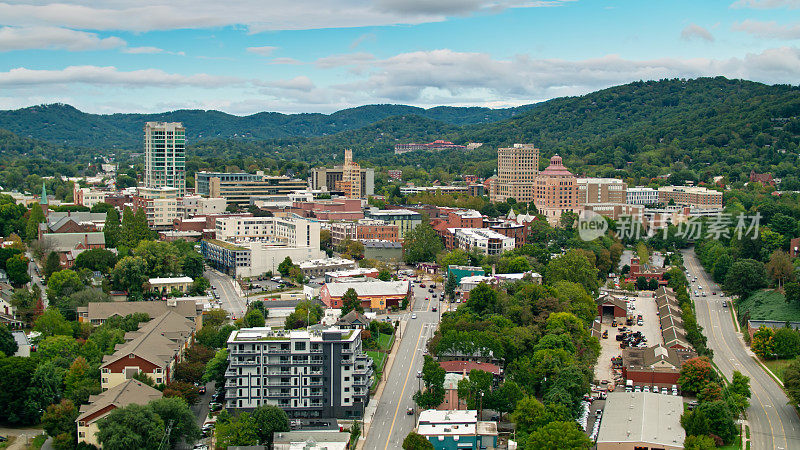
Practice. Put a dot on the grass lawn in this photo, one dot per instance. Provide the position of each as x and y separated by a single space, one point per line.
777 366
38 441
384 341
378 357
768 304
737 444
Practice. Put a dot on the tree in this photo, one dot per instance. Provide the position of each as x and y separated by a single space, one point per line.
475 388
239 431
450 286
96 259
17 270
779 267
385 275
721 268
305 313
695 373
27 303
8 345
710 418
421 244
176 411
112 228
269 419
351 249
786 342
575 267
254 318
351 302
81 381
132 427
62 284
763 343
558 435
641 283
130 274
745 277
15 400
414 441
215 369
791 380
792 292
59 418
433 378
285 266
32 227
456 257
580 302
162 258
52 264
193 265
482 299
699 443
51 323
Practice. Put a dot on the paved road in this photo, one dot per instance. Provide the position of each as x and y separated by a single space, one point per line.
773 422
391 424
228 295
35 279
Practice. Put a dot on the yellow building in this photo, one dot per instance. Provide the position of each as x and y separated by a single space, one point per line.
120 396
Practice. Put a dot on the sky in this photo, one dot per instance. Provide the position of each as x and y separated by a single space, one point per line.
291 56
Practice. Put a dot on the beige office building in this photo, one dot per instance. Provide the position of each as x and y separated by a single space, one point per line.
601 190
696 196
517 168
164 155
556 191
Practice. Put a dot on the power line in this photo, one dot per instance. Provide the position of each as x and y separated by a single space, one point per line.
164 444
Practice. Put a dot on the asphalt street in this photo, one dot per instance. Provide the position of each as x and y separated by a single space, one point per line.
774 424
391 424
35 278
232 302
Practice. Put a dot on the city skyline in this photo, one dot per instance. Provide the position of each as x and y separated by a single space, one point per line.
326 56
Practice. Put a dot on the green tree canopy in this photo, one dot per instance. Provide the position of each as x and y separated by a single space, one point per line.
421 244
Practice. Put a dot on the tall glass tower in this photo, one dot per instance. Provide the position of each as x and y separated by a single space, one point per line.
164 155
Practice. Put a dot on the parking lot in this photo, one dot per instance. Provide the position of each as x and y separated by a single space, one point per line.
643 304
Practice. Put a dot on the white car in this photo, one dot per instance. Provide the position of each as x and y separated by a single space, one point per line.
413 316
646 389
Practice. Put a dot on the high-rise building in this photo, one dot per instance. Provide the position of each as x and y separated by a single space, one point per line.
350 183
556 191
164 155
350 179
517 168
601 190
307 373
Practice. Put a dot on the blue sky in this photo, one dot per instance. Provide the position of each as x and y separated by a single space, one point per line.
247 56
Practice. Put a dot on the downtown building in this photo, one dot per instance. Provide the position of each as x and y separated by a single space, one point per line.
349 179
517 168
310 373
556 191
601 190
164 156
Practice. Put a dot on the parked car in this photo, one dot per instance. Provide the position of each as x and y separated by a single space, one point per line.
724 304
413 316
410 411
664 391
433 309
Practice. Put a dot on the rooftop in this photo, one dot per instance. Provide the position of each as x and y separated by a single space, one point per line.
468 366
170 280
119 396
325 262
369 288
642 417
225 245
268 334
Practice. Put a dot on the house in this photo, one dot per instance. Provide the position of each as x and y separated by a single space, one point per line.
310 440
119 396
97 313
639 269
454 429
353 320
640 420
63 244
451 400
763 178
170 284
375 295
71 222
154 349
654 366
465 367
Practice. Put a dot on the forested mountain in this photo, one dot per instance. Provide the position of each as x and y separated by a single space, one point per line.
63 124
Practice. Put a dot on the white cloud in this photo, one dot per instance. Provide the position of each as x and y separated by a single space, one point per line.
263 51
257 15
766 4
42 37
143 50
694 31
110 76
287 61
350 59
361 39
770 30
299 83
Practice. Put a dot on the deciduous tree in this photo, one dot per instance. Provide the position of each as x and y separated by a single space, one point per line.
351 302
134 426
8 345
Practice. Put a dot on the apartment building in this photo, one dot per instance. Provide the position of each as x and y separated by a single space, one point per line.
517 168
160 205
99 406
245 191
436 145
292 232
601 190
484 240
364 229
641 196
319 267
195 205
307 373
455 218
339 209
164 155
350 179
154 349
202 180
556 191
616 210
406 220
97 313
695 196
87 197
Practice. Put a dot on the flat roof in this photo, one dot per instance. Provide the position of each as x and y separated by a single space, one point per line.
642 417
227 245
170 280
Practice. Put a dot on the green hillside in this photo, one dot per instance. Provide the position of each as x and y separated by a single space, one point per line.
64 124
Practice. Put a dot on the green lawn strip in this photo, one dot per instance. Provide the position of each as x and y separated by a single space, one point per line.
768 372
733 316
777 366
385 341
38 441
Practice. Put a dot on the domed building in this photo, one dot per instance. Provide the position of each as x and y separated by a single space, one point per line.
555 191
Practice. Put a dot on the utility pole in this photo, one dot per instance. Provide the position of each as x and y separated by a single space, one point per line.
164 444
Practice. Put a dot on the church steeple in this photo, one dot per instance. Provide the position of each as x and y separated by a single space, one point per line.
43 198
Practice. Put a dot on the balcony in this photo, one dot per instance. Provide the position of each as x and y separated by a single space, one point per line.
316 350
245 362
278 350
278 394
316 394
314 383
279 383
316 360
236 351
281 373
